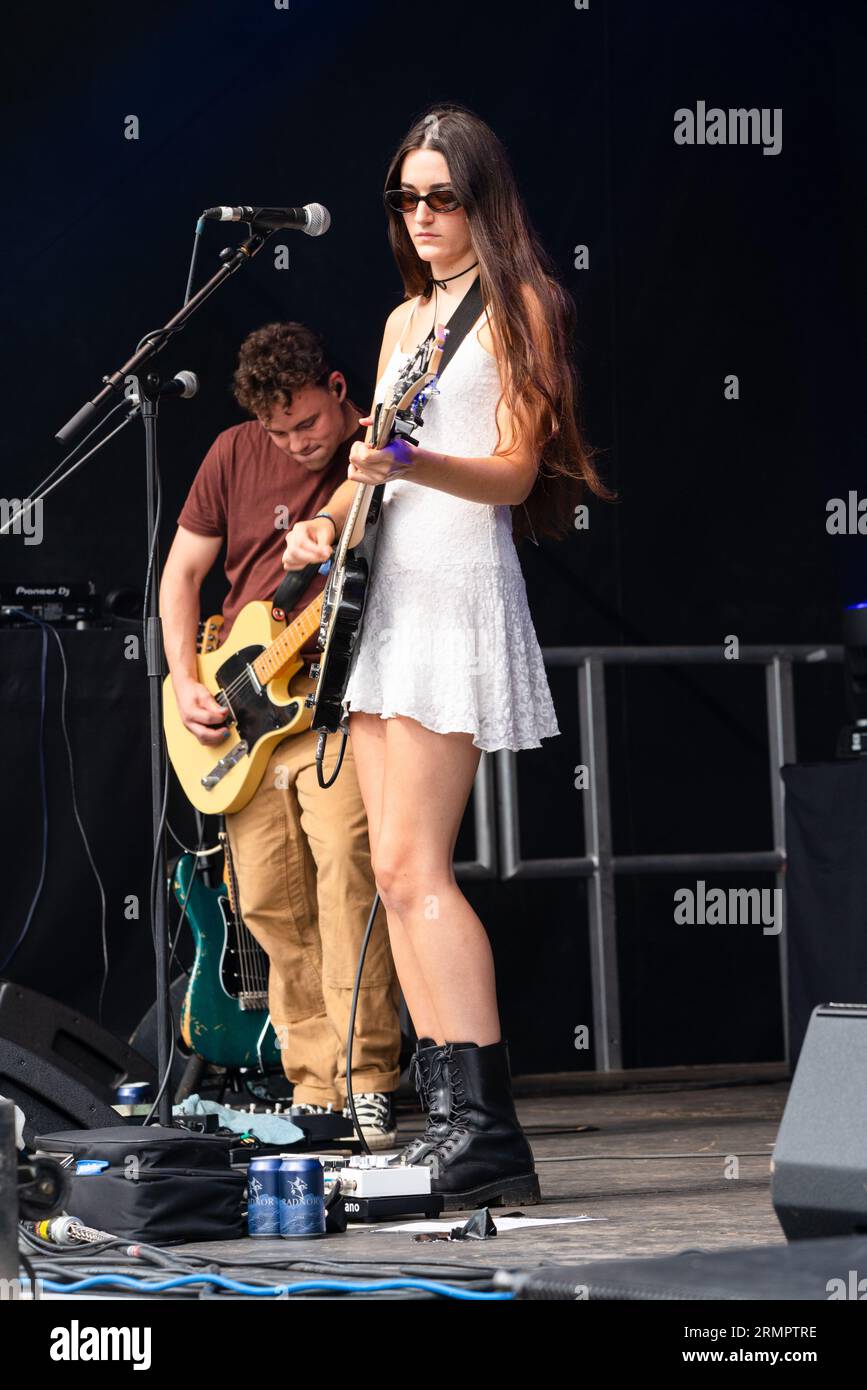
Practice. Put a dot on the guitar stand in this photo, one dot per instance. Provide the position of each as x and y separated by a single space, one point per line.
191 1079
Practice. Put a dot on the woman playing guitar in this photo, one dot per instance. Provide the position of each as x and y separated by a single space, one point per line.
448 663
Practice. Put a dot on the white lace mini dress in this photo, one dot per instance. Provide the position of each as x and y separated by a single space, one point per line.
447 637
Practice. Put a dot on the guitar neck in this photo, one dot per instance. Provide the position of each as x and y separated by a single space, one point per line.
277 656
356 519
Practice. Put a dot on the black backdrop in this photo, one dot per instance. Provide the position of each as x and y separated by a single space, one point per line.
704 261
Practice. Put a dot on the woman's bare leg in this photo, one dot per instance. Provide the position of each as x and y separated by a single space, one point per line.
426 781
368 735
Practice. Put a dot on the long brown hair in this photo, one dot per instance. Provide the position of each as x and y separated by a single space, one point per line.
533 344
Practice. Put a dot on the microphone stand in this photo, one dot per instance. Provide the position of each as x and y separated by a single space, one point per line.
148 389
233 259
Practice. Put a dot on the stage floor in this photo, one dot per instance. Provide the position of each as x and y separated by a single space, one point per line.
662 1170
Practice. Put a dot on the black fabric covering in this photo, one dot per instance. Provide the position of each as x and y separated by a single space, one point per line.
826 887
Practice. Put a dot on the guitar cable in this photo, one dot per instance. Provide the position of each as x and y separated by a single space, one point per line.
320 755
352 1011
155 887
42 784
46 630
197 853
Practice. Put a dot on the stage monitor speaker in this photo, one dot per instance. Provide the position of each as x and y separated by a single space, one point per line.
820 1270
70 1041
50 1098
819 1164
59 1066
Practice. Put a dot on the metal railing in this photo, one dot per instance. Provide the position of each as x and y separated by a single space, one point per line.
498 851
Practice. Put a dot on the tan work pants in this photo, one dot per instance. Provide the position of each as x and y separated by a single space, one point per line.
302 859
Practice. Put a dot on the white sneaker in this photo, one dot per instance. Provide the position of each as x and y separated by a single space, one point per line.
375 1111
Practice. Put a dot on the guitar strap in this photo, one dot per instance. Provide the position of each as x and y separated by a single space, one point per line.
296 581
230 879
292 585
461 322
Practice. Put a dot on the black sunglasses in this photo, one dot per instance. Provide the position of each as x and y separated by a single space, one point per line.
440 200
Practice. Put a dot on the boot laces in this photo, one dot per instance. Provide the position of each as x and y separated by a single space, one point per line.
418 1079
458 1105
425 1084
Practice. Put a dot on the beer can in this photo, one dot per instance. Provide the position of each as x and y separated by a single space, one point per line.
302 1197
263 1196
133 1098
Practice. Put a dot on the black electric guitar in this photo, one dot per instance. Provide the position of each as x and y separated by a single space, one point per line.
345 592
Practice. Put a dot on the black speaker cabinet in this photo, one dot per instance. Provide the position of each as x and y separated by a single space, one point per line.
50 1098
59 1066
819 1166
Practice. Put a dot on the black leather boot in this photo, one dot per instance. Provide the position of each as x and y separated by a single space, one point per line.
428 1073
484 1159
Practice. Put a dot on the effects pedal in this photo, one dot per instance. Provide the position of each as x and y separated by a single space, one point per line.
375 1189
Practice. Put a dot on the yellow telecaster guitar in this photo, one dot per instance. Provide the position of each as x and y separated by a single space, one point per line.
251 675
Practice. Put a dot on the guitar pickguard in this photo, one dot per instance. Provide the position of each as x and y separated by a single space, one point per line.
346 629
249 705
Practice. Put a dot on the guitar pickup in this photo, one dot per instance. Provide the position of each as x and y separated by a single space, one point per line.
219 770
252 999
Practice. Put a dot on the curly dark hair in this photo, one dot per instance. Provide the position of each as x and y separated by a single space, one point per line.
275 361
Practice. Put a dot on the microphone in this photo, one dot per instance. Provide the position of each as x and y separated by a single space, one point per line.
313 219
184 384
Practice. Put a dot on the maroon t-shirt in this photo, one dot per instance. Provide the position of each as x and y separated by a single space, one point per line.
250 493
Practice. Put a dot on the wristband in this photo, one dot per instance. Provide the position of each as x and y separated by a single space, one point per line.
328 517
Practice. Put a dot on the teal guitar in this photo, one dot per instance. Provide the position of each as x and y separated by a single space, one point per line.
225 1016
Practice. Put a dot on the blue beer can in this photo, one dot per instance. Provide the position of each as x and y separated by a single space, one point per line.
263 1196
133 1098
302 1197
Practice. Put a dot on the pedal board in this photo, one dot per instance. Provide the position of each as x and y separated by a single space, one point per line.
373 1189
371 1209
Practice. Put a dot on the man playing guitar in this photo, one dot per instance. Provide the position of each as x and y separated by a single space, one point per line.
301 853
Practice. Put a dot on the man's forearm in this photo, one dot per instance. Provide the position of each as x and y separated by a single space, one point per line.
179 611
339 503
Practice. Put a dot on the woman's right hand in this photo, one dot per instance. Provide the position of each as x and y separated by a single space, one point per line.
199 711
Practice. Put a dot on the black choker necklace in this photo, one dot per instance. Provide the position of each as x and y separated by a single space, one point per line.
441 284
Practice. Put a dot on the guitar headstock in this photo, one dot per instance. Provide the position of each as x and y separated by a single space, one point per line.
420 372
209 633
414 386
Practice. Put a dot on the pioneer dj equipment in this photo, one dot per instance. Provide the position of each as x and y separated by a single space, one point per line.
61 604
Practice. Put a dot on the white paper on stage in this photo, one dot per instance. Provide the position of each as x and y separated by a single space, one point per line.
502 1223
